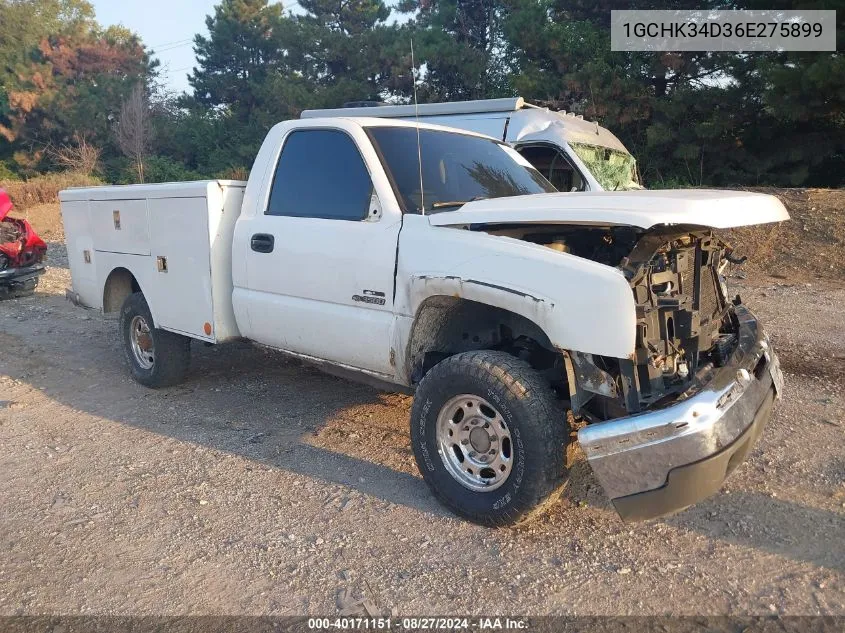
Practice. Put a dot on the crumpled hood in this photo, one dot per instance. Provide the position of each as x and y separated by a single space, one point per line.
644 209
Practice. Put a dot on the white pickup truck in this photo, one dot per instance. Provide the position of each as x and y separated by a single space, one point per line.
441 262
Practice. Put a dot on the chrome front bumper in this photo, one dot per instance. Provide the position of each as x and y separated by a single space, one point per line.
659 462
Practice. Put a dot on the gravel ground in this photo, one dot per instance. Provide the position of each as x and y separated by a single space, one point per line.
262 486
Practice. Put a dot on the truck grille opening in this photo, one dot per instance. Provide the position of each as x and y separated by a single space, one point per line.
684 323
681 313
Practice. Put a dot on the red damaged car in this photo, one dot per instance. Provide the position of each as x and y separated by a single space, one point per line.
21 253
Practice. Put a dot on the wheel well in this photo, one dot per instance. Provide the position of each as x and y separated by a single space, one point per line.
120 284
446 326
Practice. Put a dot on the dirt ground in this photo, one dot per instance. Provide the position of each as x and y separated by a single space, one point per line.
810 246
261 486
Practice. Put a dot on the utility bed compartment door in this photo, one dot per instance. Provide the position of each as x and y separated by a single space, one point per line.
120 226
180 265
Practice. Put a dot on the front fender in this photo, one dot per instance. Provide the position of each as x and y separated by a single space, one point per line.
580 305
538 309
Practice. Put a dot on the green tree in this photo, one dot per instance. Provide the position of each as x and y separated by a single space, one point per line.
237 94
63 77
345 51
695 118
24 24
241 53
259 66
462 46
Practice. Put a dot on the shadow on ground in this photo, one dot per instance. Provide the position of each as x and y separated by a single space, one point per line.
240 399
769 524
258 404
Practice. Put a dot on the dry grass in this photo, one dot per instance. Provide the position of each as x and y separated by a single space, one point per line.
45 189
81 157
46 219
234 173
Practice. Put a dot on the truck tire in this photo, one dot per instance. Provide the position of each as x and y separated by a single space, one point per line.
489 437
156 358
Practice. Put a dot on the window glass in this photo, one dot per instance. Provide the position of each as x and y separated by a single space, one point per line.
456 168
320 175
555 166
613 169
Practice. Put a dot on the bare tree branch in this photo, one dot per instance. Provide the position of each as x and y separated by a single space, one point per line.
134 129
81 158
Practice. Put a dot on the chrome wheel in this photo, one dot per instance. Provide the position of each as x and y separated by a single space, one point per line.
474 443
141 341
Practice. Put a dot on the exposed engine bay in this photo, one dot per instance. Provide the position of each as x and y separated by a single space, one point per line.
685 323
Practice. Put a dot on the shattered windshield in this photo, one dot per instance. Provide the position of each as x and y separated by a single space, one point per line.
615 170
456 168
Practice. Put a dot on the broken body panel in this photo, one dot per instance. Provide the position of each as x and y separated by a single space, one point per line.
643 209
673 415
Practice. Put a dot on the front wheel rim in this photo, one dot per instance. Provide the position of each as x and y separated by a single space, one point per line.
141 342
474 442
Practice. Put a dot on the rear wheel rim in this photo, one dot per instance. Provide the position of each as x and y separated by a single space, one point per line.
141 342
474 442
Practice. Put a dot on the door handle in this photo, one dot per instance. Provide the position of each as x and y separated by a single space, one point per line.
262 243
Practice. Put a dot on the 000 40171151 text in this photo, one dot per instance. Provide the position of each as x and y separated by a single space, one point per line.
420 623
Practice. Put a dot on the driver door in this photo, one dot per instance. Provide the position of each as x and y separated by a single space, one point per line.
321 256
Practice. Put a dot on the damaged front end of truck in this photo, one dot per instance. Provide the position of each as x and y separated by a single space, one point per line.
669 423
666 423
685 322
693 398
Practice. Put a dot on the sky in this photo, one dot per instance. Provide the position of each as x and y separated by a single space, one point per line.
166 26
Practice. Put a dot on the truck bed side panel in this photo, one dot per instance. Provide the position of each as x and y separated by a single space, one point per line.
81 255
174 238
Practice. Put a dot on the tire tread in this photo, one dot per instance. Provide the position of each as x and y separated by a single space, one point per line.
172 351
517 378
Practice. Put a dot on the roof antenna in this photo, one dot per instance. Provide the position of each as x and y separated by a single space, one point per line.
417 116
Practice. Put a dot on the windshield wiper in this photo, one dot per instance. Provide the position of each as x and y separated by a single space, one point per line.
455 203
